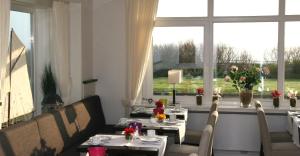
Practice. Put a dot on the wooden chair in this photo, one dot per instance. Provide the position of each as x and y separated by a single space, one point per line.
270 148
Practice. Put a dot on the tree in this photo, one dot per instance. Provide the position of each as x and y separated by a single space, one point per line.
225 54
187 52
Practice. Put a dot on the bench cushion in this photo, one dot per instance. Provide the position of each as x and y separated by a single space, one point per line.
22 139
65 119
50 132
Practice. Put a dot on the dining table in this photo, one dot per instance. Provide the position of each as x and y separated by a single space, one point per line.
147 112
175 128
116 144
294 126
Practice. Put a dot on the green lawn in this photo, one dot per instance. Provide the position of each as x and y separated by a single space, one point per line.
188 86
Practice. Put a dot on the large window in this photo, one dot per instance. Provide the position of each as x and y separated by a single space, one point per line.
180 50
263 33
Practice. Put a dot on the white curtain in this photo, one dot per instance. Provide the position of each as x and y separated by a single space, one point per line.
60 54
140 17
4 44
42 48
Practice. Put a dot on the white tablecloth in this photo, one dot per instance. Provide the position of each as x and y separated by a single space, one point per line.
120 141
180 126
168 111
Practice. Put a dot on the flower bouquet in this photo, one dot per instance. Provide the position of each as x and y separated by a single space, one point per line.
129 133
275 94
293 97
159 108
199 95
243 81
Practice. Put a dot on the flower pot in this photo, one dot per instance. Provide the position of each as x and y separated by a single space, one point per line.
293 102
246 98
199 99
276 102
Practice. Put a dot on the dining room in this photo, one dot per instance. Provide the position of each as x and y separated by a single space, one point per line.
149 77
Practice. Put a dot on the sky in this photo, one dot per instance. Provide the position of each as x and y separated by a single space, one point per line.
21 23
256 38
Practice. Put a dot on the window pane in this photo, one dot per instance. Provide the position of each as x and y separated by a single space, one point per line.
292 7
177 48
292 56
182 8
245 7
21 23
244 45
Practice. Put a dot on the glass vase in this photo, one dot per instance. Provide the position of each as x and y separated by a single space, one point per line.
276 102
199 99
293 102
246 97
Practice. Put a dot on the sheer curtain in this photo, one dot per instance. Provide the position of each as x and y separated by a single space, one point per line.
140 17
42 47
4 44
60 54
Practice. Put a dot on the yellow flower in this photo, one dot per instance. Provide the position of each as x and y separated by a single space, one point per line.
161 116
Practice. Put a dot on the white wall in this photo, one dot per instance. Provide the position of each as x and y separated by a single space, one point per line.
75 51
109 57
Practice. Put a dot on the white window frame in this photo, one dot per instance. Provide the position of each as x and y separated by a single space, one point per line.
208 24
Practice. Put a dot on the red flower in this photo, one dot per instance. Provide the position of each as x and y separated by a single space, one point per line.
129 131
158 110
159 104
275 93
200 91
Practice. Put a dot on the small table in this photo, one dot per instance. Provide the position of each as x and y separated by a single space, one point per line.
118 144
146 112
178 129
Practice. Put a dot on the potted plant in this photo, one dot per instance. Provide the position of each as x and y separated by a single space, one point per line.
199 95
244 80
293 98
51 100
275 94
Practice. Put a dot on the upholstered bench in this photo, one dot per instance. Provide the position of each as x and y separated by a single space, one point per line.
55 133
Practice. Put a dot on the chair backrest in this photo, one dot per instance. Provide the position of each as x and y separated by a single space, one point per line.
206 136
213 121
214 107
264 132
257 104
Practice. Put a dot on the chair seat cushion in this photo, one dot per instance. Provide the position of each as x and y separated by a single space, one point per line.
176 149
192 137
280 137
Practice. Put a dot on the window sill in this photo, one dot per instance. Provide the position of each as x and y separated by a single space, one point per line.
232 105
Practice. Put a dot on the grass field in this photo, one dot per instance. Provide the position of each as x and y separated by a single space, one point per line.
188 86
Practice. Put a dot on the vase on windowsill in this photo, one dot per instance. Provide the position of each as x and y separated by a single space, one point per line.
276 102
246 97
293 102
199 99
199 96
